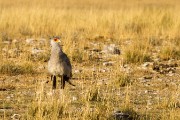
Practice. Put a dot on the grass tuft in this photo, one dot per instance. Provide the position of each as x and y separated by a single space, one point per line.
16 69
46 111
77 56
122 80
93 95
170 52
136 56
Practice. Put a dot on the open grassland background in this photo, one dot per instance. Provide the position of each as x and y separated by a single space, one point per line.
142 82
116 18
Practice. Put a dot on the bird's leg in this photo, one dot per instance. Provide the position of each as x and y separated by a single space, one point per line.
54 82
62 82
51 77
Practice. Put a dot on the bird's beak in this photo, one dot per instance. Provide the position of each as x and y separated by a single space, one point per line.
59 41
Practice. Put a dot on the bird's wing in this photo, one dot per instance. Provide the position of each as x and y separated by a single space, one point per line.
66 60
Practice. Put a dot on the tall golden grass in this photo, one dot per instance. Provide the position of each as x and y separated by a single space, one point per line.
113 19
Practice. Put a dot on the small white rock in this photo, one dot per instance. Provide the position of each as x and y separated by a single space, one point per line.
8 97
77 71
146 91
111 49
74 98
6 42
36 51
30 41
107 63
14 41
5 49
16 117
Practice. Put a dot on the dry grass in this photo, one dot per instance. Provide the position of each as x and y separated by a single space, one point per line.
14 69
146 32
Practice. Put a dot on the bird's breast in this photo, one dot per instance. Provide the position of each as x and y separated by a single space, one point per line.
55 68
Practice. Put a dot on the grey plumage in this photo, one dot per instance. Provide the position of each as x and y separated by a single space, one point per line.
59 64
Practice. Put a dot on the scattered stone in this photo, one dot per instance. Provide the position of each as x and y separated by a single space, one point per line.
30 41
11 95
109 39
145 79
4 49
16 117
108 64
170 74
77 71
102 82
147 64
146 91
74 98
8 97
126 68
7 42
14 41
156 60
94 44
149 102
171 70
171 61
164 68
111 49
36 51
103 70
160 79
95 50
118 115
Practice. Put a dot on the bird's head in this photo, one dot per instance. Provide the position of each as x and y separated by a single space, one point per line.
55 41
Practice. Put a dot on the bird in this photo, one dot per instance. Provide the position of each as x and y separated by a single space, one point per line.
59 64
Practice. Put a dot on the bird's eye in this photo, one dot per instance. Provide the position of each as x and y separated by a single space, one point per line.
55 39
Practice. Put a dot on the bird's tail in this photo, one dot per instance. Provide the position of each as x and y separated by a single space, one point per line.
71 83
65 78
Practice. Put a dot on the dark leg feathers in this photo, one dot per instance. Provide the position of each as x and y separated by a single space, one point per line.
64 79
53 78
62 82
